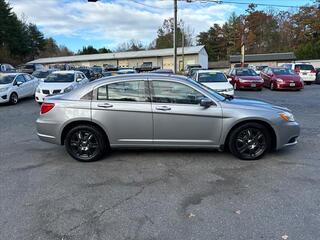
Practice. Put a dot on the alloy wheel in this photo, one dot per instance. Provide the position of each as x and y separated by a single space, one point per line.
251 143
84 144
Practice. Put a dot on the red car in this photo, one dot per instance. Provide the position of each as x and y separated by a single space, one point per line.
245 78
281 78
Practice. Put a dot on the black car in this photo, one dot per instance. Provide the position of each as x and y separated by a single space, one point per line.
88 72
317 76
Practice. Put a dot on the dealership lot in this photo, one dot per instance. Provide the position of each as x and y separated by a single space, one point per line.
160 194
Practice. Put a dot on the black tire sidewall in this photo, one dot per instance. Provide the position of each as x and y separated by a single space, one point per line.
102 142
237 130
10 98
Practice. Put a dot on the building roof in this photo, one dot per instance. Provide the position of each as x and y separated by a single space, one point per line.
263 57
119 55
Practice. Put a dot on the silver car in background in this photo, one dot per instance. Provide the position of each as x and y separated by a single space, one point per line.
153 110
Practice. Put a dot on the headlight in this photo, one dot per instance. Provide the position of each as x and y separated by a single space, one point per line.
242 80
68 89
38 90
279 80
4 89
286 116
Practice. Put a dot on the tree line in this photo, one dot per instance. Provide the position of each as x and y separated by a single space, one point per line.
21 41
265 32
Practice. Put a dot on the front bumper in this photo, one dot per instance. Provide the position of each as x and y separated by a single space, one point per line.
39 97
287 134
4 98
286 86
250 85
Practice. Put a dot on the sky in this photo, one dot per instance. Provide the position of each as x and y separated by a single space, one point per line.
108 23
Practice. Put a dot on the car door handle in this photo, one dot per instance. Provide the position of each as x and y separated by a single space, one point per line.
163 108
105 105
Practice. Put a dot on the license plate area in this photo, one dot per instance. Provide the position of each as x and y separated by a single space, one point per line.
292 84
253 85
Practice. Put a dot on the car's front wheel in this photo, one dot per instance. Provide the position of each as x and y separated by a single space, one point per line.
249 141
86 143
13 99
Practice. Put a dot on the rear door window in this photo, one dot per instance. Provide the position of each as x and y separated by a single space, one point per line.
131 91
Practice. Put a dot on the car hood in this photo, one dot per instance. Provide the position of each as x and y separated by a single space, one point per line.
252 103
5 85
217 85
53 86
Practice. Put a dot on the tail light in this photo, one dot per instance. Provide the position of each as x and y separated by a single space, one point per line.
313 71
297 70
46 107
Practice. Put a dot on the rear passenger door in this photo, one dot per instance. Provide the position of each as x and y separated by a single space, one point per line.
124 109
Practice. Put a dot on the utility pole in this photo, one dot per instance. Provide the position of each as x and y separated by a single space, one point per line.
175 37
182 31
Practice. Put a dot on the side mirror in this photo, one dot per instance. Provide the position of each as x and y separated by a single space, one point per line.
206 102
78 79
19 83
229 79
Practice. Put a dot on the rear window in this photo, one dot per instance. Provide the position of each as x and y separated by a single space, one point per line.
304 67
283 71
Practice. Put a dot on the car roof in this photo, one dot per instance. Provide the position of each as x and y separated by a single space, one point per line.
206 71
67 71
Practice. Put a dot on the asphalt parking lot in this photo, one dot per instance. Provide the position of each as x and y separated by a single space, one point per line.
159 194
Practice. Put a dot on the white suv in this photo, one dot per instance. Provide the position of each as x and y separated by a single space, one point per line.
305 70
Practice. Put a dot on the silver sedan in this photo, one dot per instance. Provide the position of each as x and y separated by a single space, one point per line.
153 110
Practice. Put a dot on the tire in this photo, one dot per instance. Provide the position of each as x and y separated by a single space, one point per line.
13 99
249 141
89 146
235 86
272 88
308 83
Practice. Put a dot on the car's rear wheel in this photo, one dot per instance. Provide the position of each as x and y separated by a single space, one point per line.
13 99
250 141
308 83
86 143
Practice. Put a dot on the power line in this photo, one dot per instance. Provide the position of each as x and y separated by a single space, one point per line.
242 3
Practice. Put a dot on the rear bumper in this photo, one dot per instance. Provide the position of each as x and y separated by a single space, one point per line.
48 131
287 134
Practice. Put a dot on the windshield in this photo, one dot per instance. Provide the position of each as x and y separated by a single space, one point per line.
246 72
40 74
212 77
6 79
283 71
304 67
60 77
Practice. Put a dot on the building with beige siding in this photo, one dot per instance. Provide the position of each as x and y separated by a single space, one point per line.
162 58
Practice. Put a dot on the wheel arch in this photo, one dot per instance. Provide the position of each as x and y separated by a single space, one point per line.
262 122
73 124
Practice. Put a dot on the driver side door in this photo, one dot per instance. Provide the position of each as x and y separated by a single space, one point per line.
178 118
22 89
